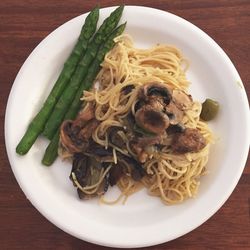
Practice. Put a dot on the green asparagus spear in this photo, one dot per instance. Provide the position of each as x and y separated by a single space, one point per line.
51 151
37 124
68 94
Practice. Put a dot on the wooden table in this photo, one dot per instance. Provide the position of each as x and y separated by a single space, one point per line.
23 24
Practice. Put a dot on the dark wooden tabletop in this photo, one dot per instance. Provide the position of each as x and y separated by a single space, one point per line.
23 24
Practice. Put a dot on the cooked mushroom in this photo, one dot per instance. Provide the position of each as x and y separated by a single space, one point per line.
74 135
139 104
115 174
157 103
191 140
124 165
75 138
151 120
80 168
159 90
175 115
152 90
86 172
98 152
181 99
137 171
69 138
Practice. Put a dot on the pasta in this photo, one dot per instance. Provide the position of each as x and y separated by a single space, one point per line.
171 176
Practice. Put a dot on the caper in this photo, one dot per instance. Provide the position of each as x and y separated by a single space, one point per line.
209 110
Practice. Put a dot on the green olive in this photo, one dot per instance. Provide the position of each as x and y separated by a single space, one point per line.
209 110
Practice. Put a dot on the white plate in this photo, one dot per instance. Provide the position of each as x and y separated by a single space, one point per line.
144 220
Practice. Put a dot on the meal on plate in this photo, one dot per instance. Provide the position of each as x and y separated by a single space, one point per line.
123 116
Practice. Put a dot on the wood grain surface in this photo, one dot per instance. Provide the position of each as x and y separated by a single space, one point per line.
23 24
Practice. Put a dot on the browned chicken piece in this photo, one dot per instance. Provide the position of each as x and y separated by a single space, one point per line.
191 140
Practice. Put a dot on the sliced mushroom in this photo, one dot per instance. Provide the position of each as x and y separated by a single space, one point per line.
191 140
124 165
137 171
74 138
175 115
151 90
157 103
80 168
86 172
74 135
116 172
69 138
160 90
139 104
151 120
99 153
182 100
